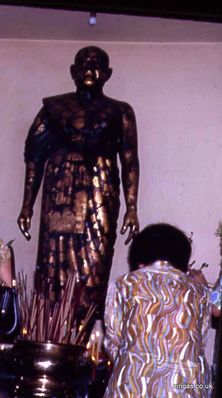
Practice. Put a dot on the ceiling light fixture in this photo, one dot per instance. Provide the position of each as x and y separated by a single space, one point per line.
92 19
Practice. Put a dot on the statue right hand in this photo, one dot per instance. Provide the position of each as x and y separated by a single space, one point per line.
24 223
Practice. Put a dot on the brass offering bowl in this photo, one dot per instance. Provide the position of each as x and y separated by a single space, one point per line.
45 369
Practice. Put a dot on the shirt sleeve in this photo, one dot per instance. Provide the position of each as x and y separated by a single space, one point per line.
37 143
113 320
205 304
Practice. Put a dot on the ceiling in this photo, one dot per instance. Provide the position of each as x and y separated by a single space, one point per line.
33 23
206 10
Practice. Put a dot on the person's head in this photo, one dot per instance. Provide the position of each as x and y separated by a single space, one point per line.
90 68
160 242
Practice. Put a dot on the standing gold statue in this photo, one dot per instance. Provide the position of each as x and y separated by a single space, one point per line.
74 142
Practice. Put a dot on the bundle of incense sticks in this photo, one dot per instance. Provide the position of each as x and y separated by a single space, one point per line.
93 347
43 320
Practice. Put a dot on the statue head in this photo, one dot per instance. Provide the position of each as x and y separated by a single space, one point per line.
91 68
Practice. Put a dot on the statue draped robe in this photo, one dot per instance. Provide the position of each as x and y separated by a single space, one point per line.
77 154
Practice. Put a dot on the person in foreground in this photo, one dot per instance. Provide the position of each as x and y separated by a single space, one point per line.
157 317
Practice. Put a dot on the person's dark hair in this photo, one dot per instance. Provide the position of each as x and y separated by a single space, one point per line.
160 242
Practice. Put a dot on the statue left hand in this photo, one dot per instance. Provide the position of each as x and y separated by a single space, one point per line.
130 221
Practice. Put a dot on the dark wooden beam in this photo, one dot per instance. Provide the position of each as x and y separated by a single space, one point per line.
205 11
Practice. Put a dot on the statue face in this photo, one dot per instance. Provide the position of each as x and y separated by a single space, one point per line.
91 68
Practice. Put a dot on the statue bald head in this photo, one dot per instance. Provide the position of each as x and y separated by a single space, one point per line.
91 68
92 54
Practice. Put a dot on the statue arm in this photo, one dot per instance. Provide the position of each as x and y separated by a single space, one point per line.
33 178
130 171
36 152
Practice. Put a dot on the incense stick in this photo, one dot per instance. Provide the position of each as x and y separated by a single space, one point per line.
44 320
